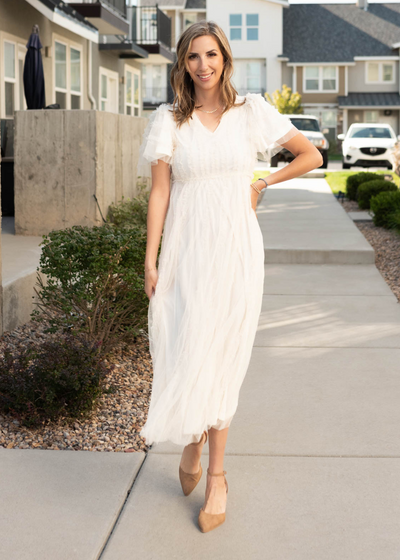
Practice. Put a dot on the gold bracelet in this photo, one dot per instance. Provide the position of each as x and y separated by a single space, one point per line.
148 269
255 188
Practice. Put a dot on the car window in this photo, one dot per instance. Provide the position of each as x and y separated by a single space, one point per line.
310 125
371 132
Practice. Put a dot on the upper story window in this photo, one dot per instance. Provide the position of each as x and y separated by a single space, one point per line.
320 79
252 27
235 24
188 19
67 75
379 72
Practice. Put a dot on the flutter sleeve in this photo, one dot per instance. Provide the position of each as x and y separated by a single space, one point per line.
269 129
158 140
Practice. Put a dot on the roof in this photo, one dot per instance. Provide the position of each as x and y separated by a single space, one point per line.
339 32
195 4
369 100
61 6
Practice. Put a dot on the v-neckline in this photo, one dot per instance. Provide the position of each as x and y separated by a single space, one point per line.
212 132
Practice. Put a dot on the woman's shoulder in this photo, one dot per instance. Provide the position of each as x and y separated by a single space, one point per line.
250 99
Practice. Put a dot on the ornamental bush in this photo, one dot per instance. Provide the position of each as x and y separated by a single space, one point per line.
370 188
383 205
94 283
394 220
353 182
131 212
42 383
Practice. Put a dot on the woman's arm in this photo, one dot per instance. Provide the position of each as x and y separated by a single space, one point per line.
307 157
157 210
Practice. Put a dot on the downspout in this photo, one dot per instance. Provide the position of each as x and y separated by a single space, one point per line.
89 64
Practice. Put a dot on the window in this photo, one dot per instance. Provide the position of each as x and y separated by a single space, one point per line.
320 78
188 20
9 78
371 116
252 27
379 73
67 75
12 95
235 24
153 78
253 77
108 88
132 97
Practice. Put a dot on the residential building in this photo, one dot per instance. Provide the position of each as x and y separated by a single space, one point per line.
255 32
79 72
156 72
344 61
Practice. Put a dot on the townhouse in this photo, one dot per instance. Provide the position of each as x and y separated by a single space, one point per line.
344 61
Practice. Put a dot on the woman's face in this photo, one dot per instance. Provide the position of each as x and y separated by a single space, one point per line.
205 62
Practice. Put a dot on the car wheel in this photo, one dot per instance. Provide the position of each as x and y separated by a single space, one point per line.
274 161
345 165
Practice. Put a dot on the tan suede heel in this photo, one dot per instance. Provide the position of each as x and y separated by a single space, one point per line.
210 521
189 481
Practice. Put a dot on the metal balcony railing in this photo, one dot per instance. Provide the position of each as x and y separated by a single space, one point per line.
151 26
154 95
118 5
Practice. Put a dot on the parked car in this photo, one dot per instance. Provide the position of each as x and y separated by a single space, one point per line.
309 126
368 145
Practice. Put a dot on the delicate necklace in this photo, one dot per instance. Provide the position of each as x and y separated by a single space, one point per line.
213 111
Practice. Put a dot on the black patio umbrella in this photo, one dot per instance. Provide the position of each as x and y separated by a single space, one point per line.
33 72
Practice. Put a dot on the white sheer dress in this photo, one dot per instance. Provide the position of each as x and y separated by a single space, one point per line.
203 315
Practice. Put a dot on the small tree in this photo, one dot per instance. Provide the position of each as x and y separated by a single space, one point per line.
286 101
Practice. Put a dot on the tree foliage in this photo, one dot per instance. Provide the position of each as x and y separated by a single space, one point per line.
286 101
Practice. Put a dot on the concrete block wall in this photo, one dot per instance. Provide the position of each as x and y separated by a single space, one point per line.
63 158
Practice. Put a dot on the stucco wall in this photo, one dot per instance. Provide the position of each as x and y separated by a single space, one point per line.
357 79
63 158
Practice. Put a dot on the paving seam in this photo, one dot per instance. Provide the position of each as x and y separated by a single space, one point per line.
121 509
289 455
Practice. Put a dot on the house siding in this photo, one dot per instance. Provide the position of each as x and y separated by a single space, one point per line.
357 81
320 97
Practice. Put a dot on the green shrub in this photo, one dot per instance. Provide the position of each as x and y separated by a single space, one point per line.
394 220
371 188
383 205
62 378
131 212
94 284
353 182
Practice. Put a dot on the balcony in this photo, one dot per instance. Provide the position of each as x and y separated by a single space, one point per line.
151 30
109 16
154 96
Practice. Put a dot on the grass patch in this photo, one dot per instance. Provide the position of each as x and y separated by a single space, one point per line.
337 179
261 173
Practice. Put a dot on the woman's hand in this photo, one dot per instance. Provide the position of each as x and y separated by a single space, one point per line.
150 282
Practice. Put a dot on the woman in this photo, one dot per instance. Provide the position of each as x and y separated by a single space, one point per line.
205 298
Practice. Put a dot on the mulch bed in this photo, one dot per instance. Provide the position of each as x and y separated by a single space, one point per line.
116 422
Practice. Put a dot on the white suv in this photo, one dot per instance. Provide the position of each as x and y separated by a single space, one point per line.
368 145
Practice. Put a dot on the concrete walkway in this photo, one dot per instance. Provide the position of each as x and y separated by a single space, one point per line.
313 454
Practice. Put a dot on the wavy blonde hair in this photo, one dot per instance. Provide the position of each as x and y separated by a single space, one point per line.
181 81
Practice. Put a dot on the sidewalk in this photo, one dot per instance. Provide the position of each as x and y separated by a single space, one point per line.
313 454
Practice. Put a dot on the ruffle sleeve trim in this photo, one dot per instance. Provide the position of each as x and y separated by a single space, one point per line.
158 141
269 129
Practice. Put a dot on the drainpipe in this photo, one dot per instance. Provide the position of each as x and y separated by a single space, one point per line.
89 64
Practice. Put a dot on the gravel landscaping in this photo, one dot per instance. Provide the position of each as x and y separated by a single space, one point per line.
118 419
386 244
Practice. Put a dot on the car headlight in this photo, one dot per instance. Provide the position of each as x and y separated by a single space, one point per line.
319 142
